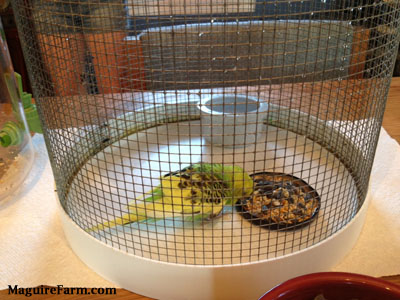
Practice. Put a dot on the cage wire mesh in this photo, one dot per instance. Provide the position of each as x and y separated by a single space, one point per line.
136 95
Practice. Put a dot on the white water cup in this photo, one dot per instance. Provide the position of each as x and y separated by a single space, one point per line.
232 121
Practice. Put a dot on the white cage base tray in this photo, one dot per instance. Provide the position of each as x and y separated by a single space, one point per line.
228 258
162 280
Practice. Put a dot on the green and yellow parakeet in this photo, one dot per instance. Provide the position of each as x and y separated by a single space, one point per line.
198 192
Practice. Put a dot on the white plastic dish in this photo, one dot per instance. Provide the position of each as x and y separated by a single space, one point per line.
232 121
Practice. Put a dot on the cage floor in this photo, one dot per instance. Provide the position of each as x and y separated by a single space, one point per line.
133 165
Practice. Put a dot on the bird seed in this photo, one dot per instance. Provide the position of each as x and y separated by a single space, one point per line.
281 200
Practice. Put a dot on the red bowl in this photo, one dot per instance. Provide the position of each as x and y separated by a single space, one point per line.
334 286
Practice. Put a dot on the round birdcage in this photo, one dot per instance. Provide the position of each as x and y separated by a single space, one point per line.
225 144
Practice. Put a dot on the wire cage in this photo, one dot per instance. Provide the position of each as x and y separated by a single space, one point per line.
227 143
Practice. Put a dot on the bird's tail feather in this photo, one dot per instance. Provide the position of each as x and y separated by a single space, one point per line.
154 195
125 219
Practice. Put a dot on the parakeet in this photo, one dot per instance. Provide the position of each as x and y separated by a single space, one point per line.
198 192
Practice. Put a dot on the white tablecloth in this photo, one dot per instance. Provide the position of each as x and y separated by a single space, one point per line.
34 250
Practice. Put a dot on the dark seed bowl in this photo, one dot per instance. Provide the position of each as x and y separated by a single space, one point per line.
280 202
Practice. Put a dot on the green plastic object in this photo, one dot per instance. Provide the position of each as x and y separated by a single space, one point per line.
31 114
11 134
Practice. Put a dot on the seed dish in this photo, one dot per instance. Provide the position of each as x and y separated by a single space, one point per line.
280 202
